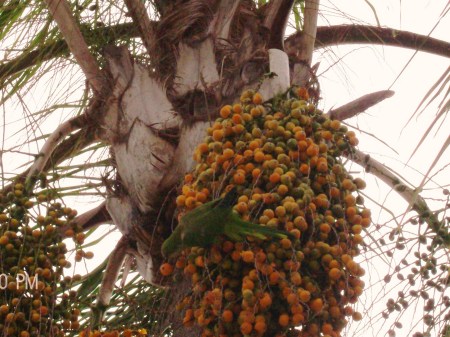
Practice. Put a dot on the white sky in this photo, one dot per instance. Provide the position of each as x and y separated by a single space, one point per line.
364 69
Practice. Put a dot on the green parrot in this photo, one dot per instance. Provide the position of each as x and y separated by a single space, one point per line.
204 225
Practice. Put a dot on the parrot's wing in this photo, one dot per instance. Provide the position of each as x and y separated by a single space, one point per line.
229 200
238 227
202 212
202 225
201 209
172 244
234 236
190 230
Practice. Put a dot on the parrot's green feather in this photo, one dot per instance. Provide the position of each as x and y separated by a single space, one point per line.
205 224
245 228
234 237
198 211
229 200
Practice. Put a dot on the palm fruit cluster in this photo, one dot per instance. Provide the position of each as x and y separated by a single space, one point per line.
285 157
39 303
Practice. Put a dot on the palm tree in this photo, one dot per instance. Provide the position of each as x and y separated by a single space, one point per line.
135 85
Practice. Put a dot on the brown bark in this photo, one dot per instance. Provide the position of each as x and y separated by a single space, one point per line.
276 19
51 143
359 105
359 34
62 14
302 73
92 218
112 272
307 42
140 17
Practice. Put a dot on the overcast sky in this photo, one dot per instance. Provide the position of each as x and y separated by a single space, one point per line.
363 69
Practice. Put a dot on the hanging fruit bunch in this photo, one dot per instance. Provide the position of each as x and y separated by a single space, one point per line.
35 296
284 156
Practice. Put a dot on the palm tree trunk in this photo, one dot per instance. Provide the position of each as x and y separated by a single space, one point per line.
153 121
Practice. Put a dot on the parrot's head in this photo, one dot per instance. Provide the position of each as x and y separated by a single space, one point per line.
168 247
